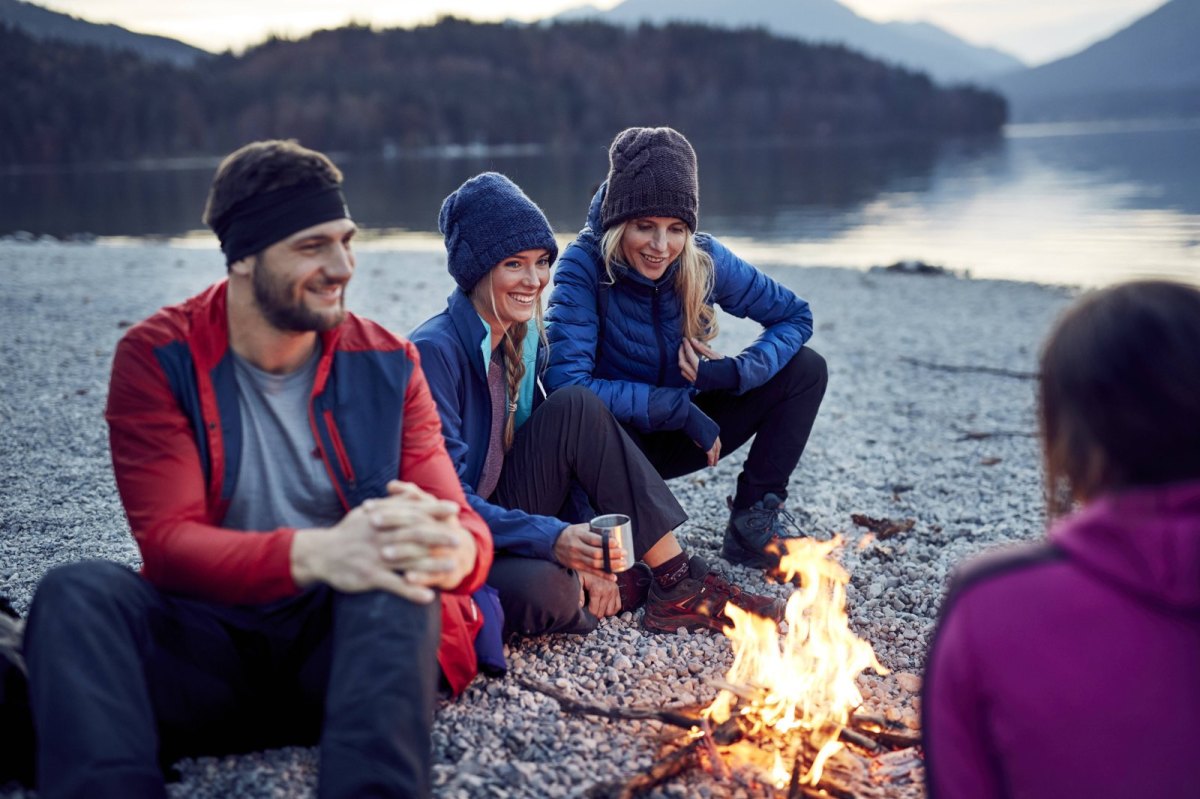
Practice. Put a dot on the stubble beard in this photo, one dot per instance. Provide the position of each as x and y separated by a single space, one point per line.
276 300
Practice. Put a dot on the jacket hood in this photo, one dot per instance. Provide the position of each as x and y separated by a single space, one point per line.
593 217
1145 542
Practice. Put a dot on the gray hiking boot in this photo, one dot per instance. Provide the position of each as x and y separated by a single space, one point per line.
754 535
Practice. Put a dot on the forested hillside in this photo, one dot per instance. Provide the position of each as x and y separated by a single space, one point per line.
454 83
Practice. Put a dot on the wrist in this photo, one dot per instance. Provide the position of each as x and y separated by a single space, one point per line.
719 374
303 557
700 428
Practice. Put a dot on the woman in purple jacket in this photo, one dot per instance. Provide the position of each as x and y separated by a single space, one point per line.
1069 669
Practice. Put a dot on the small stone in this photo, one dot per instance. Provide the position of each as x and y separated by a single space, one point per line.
909 682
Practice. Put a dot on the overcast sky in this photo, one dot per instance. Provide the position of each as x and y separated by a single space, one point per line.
1033 30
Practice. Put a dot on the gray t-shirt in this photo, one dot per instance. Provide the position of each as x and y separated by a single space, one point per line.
282 481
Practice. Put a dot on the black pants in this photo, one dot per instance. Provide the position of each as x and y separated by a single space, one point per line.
125 678
572 439
779 414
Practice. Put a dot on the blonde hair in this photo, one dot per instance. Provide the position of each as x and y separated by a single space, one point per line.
513 343
693 281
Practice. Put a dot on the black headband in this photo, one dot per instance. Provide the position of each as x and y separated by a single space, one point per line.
257 222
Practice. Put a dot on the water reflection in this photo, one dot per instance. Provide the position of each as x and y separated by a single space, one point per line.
1075 206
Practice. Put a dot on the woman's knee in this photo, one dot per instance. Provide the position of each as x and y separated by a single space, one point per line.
545 598
574 401
808 369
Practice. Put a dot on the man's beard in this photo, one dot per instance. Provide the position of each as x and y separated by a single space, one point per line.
275 298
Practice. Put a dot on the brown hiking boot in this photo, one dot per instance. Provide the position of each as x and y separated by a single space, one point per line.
633 584
698 602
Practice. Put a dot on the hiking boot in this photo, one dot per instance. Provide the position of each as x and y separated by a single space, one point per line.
698 602
754 535
634 585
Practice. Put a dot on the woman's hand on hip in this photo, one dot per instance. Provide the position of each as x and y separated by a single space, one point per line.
580 549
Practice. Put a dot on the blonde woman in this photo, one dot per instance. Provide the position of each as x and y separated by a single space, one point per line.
631 317
519 454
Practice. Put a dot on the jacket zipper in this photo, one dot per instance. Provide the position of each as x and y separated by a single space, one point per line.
324 455
658 337
339 449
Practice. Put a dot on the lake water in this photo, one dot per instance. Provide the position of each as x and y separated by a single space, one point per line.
1078 204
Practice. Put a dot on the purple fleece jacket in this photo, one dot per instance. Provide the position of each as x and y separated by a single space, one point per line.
1073 669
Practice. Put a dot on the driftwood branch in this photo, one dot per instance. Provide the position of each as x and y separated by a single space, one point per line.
887 733
659 771
571 705
980 435
987 370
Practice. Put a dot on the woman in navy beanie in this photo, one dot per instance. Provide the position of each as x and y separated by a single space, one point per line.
521 455
632 318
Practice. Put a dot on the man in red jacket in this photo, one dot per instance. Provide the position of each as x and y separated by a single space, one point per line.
304 536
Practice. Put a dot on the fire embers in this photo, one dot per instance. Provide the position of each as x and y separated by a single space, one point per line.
794 692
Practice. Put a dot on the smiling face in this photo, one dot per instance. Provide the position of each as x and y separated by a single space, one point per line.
511 292
300 282
652 243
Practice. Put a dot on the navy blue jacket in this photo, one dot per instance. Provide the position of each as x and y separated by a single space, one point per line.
452 347
636 372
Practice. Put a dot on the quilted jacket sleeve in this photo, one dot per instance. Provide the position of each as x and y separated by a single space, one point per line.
743 291
573 332
512 531
425 462
162 486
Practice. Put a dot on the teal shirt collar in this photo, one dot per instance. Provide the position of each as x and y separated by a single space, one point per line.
528 355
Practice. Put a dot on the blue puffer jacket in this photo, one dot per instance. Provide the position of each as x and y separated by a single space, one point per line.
455 348
636 372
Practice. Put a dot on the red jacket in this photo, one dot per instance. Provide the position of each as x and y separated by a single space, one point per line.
175 436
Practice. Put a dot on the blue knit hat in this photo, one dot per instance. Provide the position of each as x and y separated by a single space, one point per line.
486 220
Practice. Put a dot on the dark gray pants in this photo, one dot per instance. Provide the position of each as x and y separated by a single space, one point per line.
572 439
125 678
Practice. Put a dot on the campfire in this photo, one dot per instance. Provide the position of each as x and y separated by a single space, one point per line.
797 691
787 705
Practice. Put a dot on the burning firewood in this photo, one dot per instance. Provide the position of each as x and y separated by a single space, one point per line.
786 705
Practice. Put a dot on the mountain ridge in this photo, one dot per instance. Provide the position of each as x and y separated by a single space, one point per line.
1151 67
43 23
920 46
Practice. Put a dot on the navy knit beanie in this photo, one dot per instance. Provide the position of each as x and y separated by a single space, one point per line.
486 220
652 172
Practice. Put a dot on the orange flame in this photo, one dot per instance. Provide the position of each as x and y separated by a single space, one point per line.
805 681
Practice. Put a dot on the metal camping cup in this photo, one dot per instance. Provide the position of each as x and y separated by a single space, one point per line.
620 527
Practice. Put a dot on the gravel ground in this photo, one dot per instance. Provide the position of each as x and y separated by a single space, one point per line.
894 439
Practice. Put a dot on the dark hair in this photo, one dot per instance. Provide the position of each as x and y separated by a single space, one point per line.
1119 399
264 166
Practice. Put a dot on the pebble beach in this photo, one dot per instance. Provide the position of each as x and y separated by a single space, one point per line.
899 437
